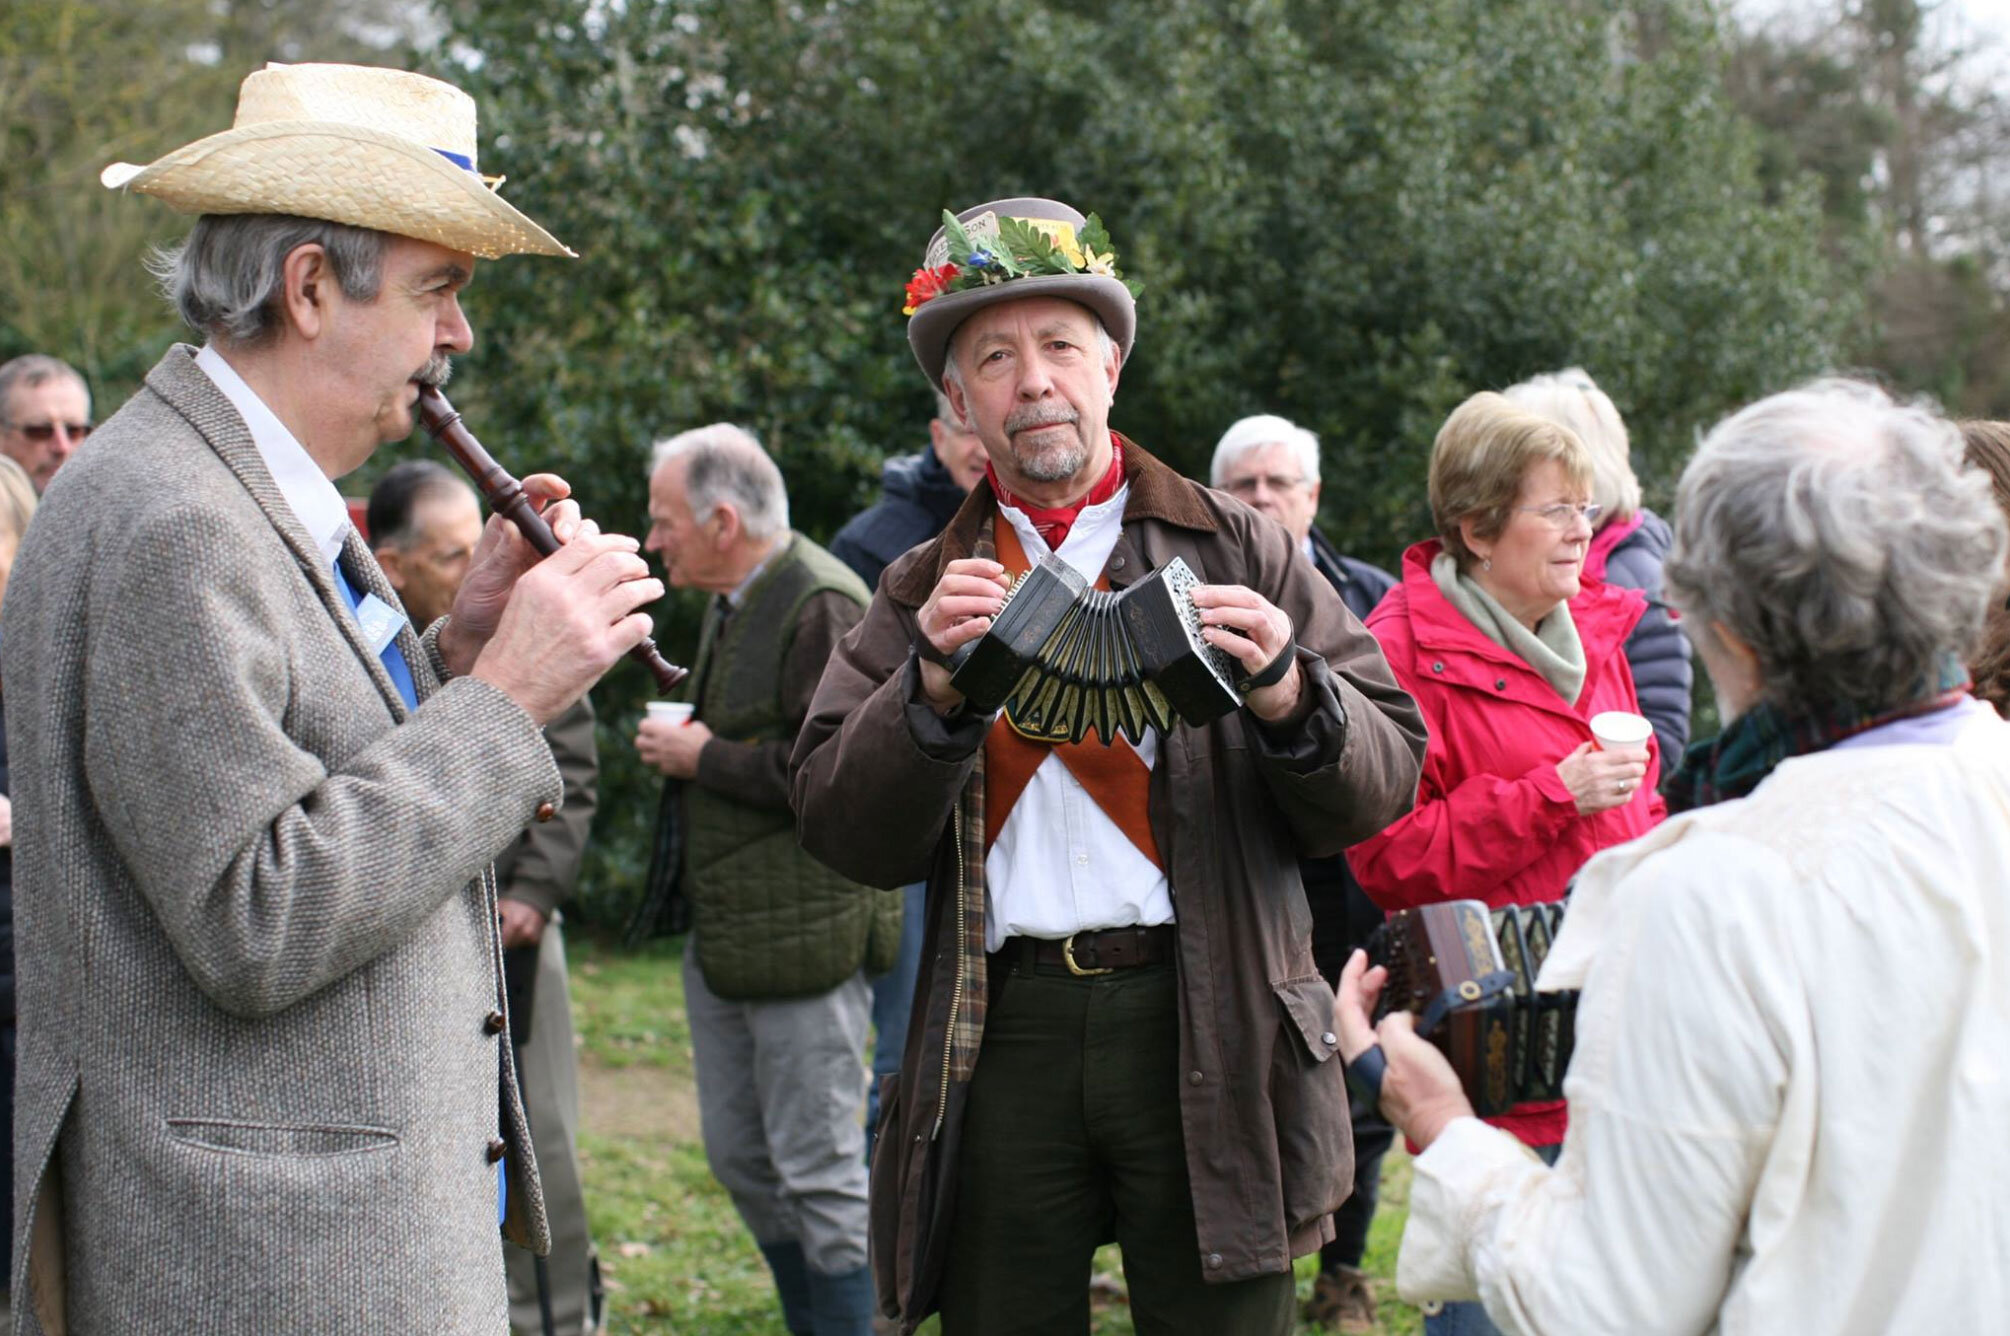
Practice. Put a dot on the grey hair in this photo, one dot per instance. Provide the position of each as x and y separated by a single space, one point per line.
1836 532
946 410
32 369
1253 433
1571 398
727 466
1106 348
225 279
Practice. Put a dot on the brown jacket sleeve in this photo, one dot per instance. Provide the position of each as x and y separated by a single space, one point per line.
1347 761
876 771
542 868
757 773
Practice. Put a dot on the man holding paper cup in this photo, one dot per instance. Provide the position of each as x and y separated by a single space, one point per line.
775 965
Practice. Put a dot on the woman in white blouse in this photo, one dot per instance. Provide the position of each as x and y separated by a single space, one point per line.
1791 1086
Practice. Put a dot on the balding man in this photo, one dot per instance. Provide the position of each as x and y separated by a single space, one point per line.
425 524
773 984
45 413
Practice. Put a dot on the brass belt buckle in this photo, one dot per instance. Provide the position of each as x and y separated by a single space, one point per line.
1068 958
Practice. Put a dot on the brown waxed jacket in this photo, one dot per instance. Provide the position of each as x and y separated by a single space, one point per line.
887 792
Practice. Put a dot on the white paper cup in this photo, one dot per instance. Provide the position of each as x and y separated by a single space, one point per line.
675 711
1620 730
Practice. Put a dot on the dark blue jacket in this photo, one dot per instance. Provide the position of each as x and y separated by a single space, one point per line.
916 505
1342 914
1657 651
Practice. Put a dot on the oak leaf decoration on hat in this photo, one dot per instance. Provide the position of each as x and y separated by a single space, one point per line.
1022 248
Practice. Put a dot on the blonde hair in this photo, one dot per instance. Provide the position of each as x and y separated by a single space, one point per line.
1571 398
1482 454
17 507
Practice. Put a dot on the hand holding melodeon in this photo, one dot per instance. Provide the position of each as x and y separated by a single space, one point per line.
1064 659
507 498
1468 976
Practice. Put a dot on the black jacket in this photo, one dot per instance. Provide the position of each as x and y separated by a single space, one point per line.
1342 913
919 498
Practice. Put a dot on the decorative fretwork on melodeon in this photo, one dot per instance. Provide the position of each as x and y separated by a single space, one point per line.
1064 659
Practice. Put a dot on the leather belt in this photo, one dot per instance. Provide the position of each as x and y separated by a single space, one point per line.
1088 953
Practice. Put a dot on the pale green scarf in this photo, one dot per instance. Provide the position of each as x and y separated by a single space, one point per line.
1552 649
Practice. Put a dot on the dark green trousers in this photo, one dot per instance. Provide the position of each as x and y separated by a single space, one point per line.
1071 1138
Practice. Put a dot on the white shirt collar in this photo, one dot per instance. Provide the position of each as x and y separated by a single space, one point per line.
306 489
1090 539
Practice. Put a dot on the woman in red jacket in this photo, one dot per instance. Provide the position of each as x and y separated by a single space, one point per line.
1509 653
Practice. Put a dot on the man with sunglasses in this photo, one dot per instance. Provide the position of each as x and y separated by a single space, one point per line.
45 413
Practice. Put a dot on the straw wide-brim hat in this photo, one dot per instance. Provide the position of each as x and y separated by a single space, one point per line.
375 148
935 322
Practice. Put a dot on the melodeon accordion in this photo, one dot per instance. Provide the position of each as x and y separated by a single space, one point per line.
1468 975
1064 658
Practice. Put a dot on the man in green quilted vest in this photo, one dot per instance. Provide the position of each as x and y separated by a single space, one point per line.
775 965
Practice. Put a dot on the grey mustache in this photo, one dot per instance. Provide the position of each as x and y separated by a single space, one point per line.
436 372
1040 417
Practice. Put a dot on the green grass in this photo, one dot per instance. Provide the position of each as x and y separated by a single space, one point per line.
678 1261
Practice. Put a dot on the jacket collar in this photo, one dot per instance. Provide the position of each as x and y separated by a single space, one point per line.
1605 615
1157 492
182 384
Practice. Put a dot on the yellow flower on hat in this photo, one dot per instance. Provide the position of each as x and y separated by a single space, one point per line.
1061 235
1104 265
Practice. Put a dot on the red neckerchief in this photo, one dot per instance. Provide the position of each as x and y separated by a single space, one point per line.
1053 525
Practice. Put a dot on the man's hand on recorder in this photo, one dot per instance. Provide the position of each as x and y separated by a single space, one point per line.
567 620
500 558
965 599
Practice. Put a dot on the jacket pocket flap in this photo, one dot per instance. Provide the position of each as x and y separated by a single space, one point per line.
1308 1002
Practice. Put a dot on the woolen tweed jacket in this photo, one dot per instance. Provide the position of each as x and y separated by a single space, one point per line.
888 792
259 977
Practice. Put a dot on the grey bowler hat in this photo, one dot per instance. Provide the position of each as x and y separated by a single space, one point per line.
936 320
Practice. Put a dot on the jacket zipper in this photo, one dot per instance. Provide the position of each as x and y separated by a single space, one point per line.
955 993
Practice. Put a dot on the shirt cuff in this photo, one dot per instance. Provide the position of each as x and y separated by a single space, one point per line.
1460 1181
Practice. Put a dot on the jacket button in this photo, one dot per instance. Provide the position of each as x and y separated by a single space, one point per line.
493 1023
1194 1078
1116 563
1330 1039
496 1150
545 811
1500 684
1214 1260
1438 667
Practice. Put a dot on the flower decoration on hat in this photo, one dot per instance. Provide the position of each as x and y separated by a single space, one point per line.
1019 248
928 283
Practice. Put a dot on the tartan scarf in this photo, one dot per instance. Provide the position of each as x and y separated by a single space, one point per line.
1733 763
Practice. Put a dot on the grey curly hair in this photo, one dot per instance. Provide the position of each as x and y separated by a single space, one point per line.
1836 532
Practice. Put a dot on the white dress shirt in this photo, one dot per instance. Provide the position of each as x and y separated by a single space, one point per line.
1791 1086
306 489
1059 865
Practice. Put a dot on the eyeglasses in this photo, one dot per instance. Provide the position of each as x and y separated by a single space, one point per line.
1559 515
43 432
1274 481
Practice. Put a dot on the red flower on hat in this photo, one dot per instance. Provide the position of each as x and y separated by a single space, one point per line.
928 284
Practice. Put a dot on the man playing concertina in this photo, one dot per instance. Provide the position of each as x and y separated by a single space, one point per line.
264 1083
1118 1029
